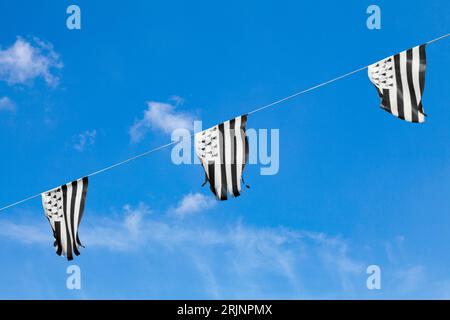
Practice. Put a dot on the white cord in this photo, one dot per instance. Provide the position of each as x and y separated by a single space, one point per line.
294 95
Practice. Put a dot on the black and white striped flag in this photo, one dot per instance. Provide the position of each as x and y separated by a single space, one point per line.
64 208
400 81
223 152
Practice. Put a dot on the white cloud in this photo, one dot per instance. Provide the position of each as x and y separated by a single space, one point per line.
193 203
232 257
28 234
409 278
7 104
160 116
24 61
134 216
84 140
177 100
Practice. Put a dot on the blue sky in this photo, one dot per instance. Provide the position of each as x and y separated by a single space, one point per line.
356 186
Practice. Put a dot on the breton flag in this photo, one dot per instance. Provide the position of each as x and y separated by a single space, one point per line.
64 208
223 152
400 80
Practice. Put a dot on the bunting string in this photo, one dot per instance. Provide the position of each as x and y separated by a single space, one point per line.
272 104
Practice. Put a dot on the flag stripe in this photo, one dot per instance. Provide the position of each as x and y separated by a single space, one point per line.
76 216
415 70
68 244
73 203
245 140
81 206
228 142
422 68
83 198
57 234
223 174
239 151
387 102
235 190
407 106
211 178
410 81
398 78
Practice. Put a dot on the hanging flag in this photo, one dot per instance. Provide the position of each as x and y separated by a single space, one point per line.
400 81
223 152
64 208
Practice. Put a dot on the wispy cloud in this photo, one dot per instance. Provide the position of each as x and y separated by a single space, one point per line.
26 60
177 100
405 277
84 139
235 259
160 116
24 233
193 203
232 257
6 104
